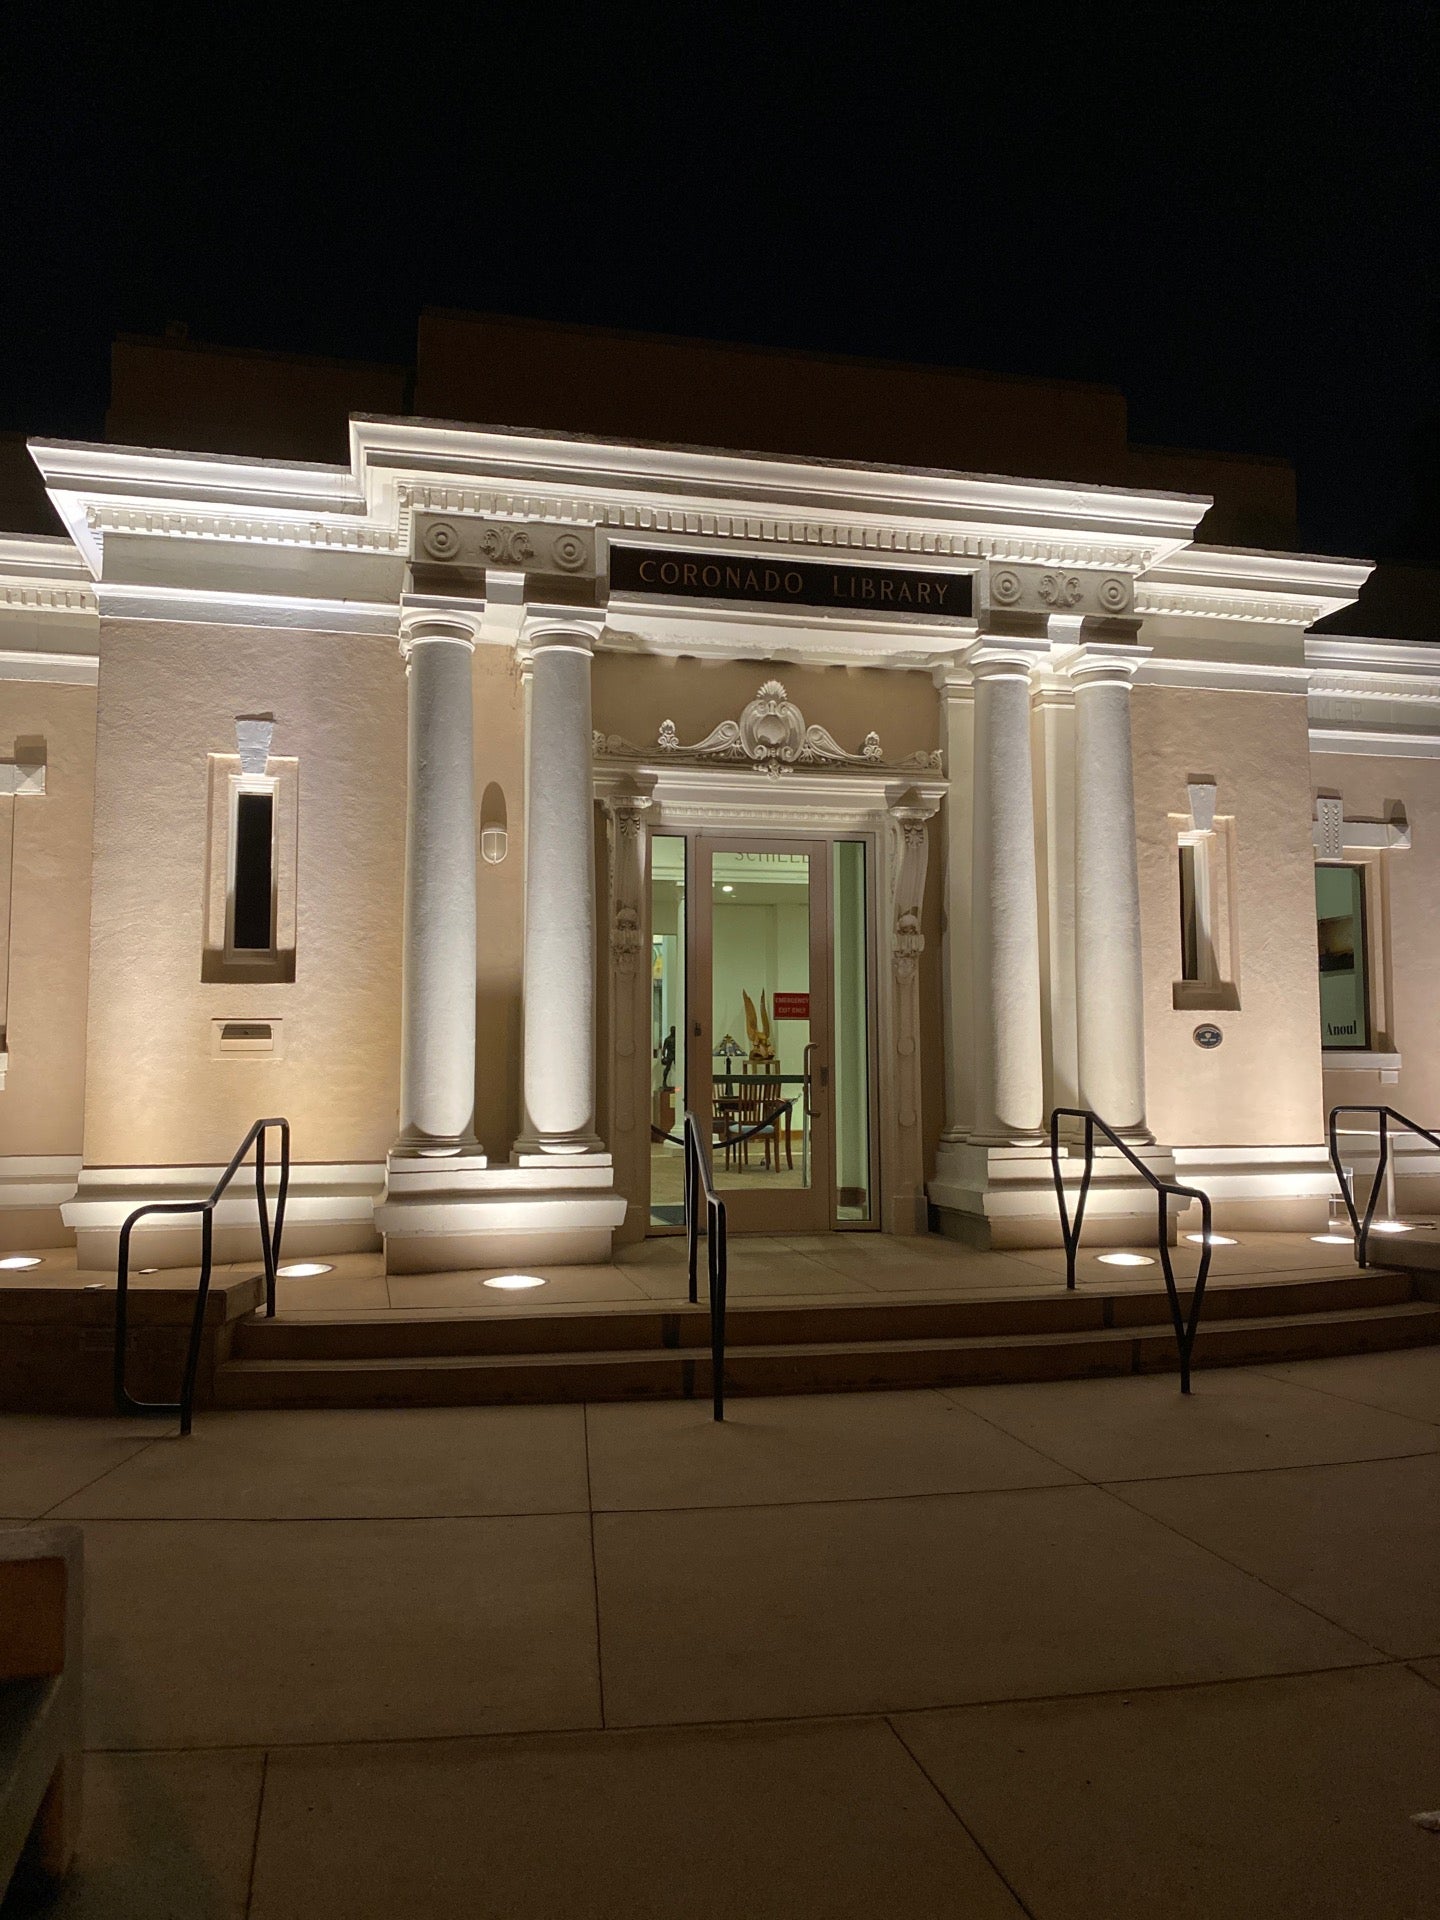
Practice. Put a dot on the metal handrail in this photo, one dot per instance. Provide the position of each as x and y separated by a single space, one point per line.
698 1182
125 1402
1070 1232
1360 1228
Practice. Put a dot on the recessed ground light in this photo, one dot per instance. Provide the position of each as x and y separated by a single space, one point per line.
1391 1226
1216 1240
303 1269
1126 1260
148 1269
1332 1239
513 1282
16 1260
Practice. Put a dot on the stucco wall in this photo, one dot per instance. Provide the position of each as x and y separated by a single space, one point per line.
1374 788
499 898
634 693
1262 1085
168 695
42 1106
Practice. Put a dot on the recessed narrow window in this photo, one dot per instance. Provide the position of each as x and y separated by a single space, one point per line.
1189 917
1197 938
1341 934
253 891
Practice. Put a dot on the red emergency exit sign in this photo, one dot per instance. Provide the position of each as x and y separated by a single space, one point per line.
792 1006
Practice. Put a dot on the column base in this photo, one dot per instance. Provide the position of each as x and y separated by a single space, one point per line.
1262 1189
441 1216
997 1196
329 1209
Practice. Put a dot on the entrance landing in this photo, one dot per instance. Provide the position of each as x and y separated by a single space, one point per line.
835 1269
807 1314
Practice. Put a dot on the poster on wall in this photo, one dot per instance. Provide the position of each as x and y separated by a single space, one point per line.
1340 934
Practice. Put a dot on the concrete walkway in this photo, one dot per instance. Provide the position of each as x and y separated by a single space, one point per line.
1071 1651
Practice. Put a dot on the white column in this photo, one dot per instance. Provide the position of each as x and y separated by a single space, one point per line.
1005 932
437 1048
957 723
1109 983
559 1049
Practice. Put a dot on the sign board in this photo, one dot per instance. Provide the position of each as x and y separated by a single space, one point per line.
1207 1035
792 1006
800 583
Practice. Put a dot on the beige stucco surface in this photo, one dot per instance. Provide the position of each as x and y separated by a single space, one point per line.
168 697
499 897
42 1106
634 693
1401 908
1262 1085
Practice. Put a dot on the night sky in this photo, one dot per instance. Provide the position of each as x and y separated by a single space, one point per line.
1229 213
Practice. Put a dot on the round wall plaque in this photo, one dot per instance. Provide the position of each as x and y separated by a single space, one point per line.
1207 1035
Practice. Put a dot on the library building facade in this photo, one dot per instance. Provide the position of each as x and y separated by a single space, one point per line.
490 799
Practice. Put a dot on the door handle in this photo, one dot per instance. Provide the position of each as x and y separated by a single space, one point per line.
810 1047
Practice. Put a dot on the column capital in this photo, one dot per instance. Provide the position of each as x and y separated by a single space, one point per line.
560 630
1104 663
1004 657
419 629
626 803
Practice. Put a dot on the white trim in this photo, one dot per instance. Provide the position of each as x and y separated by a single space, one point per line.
385 449
1358 1060
37 1180
321 1191
1374 743
216 607
740 800
1257 1173
1353 653
54 669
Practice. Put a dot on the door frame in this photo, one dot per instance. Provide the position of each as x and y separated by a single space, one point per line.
751 1210
646 796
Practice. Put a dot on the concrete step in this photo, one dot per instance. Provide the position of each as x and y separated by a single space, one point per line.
814 1366
399 1335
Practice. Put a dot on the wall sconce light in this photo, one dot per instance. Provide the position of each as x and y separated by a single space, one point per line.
494 826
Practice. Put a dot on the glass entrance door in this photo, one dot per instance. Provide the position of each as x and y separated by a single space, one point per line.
761 967
760 1065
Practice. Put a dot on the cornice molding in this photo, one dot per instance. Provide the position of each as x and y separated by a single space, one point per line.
1158 598
684 525
1343 652
42 573
387 452
732 794
1244 583
36 596
193 524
